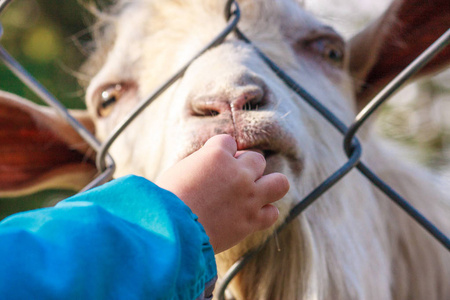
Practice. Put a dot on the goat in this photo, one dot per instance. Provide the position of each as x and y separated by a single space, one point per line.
353 243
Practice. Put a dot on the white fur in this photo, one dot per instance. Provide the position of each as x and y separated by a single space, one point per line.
353 243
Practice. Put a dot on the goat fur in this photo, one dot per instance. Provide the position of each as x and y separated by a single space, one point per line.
353 243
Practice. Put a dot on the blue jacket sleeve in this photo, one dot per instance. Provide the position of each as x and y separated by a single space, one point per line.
127 239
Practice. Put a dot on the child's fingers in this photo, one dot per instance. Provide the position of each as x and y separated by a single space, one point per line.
272 187
268 215
239 152
252 161
223 141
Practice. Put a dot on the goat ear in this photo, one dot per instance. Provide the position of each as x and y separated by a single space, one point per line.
387 46
38 150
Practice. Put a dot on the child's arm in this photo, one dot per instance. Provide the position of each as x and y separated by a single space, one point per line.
131 239
127 239
226 189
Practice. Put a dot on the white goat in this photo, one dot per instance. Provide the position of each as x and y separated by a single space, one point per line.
353 243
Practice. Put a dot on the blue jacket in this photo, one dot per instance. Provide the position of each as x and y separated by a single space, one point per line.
127 239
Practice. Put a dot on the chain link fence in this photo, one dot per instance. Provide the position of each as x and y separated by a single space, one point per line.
352 146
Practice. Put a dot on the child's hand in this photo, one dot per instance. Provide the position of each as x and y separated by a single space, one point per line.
226 190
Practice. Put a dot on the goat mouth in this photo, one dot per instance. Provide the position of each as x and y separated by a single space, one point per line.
268 153
279 155
265 153
274 142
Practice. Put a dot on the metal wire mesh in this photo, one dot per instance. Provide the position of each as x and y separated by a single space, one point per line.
352 147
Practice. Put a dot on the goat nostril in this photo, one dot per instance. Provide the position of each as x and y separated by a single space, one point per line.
212 113
254 104
249 98
204 110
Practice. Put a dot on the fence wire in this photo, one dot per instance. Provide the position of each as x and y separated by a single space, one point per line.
352 147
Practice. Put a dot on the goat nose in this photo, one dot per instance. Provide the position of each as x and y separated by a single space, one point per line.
242 98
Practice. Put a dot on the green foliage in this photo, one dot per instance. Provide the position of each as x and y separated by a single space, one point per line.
47 198
44 37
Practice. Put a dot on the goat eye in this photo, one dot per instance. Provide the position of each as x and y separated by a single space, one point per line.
330 50
334 54
108 97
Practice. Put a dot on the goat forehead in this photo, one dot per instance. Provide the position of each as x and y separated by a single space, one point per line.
159 26
218 5
266 14
170 24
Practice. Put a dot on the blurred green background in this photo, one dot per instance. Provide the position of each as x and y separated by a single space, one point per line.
47 38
